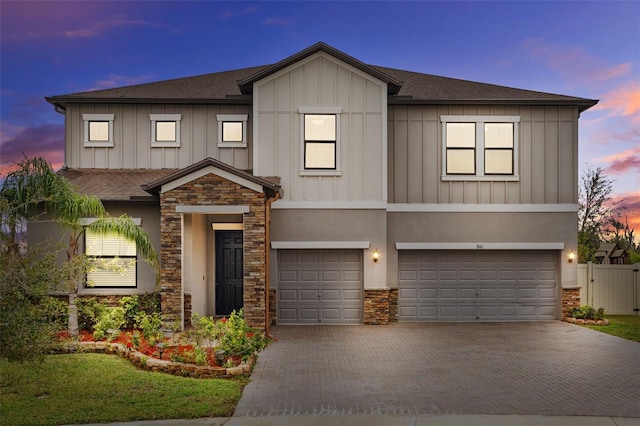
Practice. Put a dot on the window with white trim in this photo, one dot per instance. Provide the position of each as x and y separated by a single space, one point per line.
320 150
165 130
232 130
98 130
114 260
480 147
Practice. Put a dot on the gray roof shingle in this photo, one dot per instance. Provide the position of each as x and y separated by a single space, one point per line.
414 87
114 184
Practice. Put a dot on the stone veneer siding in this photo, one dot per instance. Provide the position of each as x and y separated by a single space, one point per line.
393 305
376 306
212 190
570 300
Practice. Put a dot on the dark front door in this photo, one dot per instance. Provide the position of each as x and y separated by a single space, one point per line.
228 272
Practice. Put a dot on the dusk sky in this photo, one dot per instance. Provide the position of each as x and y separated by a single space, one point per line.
584 49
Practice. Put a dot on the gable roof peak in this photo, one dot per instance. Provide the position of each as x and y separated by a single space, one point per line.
393 85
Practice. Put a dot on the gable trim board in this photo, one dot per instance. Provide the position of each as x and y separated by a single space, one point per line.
479 246
320 244
432 208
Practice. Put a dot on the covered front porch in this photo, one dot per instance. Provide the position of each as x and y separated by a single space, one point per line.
214 223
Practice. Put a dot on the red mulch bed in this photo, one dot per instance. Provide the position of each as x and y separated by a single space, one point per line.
169 351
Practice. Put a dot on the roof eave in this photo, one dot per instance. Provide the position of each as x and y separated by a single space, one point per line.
582 105
61 101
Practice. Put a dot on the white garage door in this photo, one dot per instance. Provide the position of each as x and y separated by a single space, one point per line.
319 286
477 286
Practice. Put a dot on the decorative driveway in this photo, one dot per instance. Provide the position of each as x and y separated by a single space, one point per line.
545 368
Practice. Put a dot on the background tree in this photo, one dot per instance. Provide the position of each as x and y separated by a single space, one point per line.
595 207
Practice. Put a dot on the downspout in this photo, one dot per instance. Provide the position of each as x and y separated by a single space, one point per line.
267 259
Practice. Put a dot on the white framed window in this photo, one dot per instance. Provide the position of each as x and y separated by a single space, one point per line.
480 147
320 141
165 130
115 260
98 130
232 130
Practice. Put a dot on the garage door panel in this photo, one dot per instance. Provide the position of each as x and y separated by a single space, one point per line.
308 314
308 295
330 295
309 276
288 276
320 286
330 276
352 276
287 295
428 293
405 275
352 295
308 257
472 285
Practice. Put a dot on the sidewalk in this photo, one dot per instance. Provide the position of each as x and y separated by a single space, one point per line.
363 420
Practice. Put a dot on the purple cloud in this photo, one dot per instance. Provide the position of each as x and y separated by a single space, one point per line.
45 141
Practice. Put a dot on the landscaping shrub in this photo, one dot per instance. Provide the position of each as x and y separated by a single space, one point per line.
89 313
237 338
131 307
109 324
151 326
587 312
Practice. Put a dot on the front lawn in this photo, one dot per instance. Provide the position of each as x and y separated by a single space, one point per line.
625 326
98 388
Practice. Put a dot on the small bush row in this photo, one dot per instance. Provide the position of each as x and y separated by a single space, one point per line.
587 312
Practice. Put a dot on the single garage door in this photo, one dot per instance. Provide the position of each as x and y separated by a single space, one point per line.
319 286
477 285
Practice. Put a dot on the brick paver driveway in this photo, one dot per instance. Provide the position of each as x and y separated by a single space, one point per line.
548 368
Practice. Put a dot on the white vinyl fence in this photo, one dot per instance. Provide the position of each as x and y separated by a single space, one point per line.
616 288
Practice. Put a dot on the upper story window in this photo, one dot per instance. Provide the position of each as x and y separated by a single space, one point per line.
232 130
320 150
98 130
115 264
165 130
480 147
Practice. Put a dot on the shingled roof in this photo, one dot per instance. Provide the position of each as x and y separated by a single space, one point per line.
114 184
405 87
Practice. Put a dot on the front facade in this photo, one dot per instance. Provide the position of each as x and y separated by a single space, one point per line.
321 190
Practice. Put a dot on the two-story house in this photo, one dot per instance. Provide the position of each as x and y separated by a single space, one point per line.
322 190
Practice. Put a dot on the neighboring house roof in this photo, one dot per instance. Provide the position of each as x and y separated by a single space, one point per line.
609 251
113 184
270 185
405 87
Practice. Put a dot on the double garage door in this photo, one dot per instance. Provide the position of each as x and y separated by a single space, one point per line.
320 286
477 286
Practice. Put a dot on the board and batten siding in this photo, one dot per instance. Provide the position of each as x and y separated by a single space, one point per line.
322 81
132 137
547 157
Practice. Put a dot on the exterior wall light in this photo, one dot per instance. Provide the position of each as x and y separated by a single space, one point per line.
571 256
376 255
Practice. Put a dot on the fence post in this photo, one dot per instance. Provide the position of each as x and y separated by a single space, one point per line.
636 288
589 298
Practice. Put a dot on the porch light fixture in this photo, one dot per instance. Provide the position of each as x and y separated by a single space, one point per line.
376 255
571 256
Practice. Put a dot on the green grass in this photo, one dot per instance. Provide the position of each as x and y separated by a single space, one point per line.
625 326
95 388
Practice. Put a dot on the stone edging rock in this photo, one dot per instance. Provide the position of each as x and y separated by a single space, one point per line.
580 321
145 362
